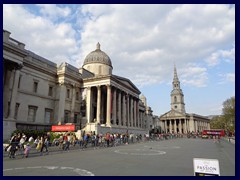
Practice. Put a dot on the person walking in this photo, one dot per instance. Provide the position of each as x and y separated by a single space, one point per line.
43 141
14 144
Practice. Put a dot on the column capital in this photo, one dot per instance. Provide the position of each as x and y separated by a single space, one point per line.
98 87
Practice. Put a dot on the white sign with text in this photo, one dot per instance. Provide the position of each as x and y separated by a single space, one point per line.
206 167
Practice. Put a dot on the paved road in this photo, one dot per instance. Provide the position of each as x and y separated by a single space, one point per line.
159 158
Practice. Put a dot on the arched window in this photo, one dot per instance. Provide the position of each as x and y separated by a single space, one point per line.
175 99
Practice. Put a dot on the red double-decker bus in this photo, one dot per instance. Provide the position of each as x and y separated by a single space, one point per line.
213 132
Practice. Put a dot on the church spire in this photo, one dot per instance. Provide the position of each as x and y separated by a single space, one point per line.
175 73
176 82
177 97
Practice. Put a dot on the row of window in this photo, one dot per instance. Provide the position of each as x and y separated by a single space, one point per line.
48 117
50 89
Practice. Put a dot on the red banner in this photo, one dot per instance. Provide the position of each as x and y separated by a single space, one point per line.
59 128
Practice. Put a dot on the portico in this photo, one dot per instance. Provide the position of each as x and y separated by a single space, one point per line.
112 102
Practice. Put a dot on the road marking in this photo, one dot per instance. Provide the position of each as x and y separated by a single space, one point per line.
81 172
144 152
163 147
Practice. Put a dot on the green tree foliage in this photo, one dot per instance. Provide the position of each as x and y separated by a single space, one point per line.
229 113
227 119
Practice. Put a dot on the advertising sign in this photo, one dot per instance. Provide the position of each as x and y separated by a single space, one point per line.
60 128
206 167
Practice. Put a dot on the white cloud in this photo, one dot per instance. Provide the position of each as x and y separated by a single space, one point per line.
54 41
144 41
54 12
227 78
194 76
221 55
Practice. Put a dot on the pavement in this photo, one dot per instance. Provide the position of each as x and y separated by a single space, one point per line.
57 149
172 157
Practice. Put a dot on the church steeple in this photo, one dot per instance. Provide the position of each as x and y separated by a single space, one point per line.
176 82
177 97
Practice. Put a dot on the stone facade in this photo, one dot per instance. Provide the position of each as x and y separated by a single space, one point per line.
177 120
37 94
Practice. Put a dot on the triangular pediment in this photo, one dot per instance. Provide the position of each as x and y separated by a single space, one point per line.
172 114
126 82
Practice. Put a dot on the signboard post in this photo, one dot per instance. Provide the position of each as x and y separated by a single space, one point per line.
206 167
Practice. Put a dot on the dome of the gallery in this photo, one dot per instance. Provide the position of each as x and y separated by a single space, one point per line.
97 56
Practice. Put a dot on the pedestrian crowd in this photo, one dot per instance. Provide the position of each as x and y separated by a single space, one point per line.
22 145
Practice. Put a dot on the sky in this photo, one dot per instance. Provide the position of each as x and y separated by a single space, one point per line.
144 42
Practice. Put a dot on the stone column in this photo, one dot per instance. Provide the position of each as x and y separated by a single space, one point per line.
6 93
175 126
73 103
98 104
170 125
89 104
14 94
61 105
131 110
119 109
114 106
128 115
108 105
165 126
185 125
180 126
196 127
134 113
124 107
138 116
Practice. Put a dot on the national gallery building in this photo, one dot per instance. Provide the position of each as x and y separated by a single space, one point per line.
37 94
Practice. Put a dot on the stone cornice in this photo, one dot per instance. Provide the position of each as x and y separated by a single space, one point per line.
15 49
39 68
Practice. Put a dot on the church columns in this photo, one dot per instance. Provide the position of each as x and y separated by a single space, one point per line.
180 126
185 126
175 126
196 126
165 126
170 126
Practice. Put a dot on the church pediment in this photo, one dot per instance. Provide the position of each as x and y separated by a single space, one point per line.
172 114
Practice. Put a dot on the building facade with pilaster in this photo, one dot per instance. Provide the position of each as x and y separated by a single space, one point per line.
37 93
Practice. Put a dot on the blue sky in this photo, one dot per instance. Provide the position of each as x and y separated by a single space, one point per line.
143 42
